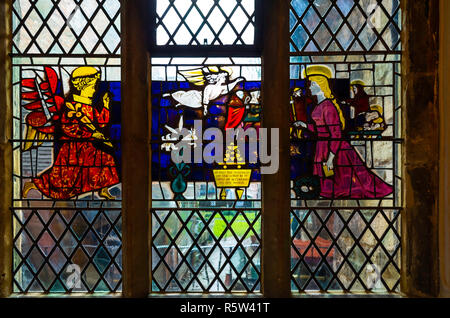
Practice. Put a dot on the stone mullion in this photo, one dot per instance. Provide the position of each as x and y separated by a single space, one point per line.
136 164
276 241
420 257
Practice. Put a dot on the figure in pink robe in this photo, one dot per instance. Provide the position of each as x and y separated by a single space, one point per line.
351 179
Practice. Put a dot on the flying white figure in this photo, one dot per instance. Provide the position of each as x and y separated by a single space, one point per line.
215 81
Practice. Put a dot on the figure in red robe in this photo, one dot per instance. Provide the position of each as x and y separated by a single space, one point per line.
83 163
236 109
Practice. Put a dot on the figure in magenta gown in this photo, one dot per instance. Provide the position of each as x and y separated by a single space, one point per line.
342 172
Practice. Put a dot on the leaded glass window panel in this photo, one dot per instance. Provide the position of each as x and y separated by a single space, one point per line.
66 27
206 229
66 205
346 143
205 22
344 26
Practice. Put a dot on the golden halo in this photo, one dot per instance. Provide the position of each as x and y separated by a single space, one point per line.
357 82
317 70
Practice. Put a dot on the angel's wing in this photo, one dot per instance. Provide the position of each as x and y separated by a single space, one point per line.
39 98
195 76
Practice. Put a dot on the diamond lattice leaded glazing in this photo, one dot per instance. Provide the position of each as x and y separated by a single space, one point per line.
50 27
345 25
346 145
205 22
66 230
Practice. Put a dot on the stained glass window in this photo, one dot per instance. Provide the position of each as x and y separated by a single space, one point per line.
346 182
206 229
66 204
345 145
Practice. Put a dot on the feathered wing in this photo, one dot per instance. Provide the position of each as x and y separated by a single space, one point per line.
195 76
39 98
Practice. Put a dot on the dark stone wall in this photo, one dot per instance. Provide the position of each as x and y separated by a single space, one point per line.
444 136
420 257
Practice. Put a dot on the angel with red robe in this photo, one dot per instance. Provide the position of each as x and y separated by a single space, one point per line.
84 162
